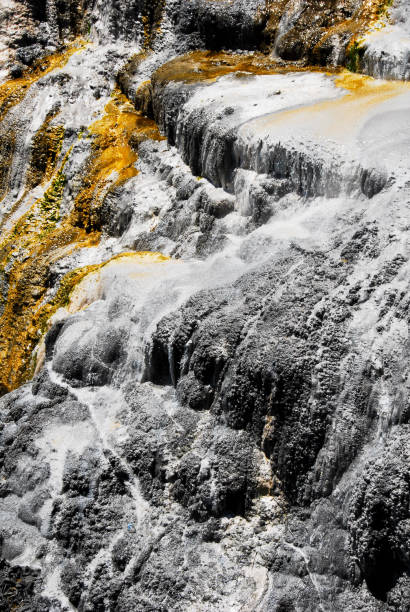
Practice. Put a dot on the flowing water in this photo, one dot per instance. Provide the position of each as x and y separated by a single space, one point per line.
204 268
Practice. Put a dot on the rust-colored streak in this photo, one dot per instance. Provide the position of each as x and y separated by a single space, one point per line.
151 20
81 287
12 92
36 241
207 66
21 322
362 94
41 237
45 150
7 145
114 153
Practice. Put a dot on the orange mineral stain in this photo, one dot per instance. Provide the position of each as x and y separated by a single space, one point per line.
41 237
12 92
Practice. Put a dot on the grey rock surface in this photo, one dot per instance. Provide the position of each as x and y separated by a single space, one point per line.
227 429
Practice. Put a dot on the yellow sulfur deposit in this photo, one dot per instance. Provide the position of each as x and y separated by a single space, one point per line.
37 246
151 21
363 92
80 288
46 148
13 92
367 15
7 143
208 66
74 292
361 85
41 237
114 153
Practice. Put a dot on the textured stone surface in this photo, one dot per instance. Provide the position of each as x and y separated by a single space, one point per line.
224 426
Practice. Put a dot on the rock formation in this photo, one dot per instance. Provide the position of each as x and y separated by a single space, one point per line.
204 305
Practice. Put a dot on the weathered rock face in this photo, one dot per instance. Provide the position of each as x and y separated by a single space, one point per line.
204 307
310 32
385 52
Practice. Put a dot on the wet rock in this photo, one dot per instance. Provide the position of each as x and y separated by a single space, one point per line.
18 585
72 582
16 71
27 55
43 386
91 362
379 523
233 26
236 435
